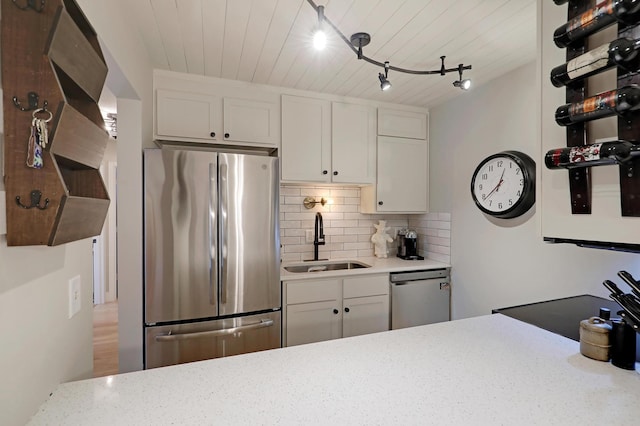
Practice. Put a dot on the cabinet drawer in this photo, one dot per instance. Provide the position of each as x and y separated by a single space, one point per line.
366 285
312 291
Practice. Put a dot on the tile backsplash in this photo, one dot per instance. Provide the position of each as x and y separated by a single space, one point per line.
347 231
434 235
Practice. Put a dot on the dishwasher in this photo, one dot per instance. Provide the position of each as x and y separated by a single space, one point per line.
420 297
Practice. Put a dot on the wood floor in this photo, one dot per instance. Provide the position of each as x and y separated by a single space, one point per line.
105 339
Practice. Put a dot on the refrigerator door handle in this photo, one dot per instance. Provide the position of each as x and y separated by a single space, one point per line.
222 233
213 333
213 242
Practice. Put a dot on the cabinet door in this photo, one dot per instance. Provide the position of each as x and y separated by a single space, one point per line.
353 147
306 139
181 115
363 315
402 124
313 322
402 175
250 121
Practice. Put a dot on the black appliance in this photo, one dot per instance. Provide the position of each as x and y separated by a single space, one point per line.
408 245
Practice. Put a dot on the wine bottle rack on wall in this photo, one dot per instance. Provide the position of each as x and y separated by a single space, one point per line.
51 59
628 123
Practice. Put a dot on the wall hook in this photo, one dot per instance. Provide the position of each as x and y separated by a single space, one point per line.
32 101
30 4
35 201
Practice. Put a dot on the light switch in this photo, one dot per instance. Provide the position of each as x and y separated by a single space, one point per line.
308 233
74 296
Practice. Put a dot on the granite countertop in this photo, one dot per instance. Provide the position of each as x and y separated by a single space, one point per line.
390 264
485 370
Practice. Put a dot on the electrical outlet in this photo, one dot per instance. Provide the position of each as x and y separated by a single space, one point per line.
308 234
74 296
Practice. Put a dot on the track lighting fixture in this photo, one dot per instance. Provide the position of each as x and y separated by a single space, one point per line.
360 40
385 84
319 36
463 84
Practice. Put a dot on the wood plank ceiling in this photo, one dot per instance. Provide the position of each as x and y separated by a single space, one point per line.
268 42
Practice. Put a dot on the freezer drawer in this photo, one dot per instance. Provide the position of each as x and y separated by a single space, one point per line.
419 302
177 344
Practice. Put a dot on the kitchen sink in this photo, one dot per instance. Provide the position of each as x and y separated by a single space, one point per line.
321 267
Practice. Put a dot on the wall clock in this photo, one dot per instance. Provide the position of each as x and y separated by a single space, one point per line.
504 184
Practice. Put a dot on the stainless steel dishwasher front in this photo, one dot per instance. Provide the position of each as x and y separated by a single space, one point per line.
420 297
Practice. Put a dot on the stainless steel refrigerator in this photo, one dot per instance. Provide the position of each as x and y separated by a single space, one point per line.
212 255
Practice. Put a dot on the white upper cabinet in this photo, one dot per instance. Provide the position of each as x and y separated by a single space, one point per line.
353 148
325 141
402 165
306 139
250 121
402 124
190 111
187 115
402 175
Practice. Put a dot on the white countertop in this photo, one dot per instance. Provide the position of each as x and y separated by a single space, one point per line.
390 264
483 370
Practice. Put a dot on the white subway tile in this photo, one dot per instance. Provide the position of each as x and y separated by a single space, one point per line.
357 246
444 233
344 208
293 232
352 200
284 224
440 249
343 223
300 216
302 248
291 257
293 200
439 241
290 240
345 193
290 191
444 217
365 253
289 208
439 257
343 238
358 231
344 254
333 231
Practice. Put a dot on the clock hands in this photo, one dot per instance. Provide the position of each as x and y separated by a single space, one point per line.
497 186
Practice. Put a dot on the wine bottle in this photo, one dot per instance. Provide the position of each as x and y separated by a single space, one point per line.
605 13
604 104
619 52
597 154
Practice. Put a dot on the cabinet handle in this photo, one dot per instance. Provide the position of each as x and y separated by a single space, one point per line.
226 135
335 173
380 203
335 311
324 172
346 309
212 134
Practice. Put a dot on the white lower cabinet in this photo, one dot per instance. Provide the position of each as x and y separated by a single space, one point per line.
325 309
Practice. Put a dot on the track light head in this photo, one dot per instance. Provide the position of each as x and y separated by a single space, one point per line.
319 36
385 84
462 84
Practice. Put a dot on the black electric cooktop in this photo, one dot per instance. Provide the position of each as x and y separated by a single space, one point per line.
563 316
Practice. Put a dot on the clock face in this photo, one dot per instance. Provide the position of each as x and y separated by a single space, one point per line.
503 185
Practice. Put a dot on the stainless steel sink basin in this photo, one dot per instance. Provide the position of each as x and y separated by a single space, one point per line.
321 267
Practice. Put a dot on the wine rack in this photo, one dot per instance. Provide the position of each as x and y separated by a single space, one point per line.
628 123
52 63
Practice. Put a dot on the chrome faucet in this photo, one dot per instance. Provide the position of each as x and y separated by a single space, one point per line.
318 237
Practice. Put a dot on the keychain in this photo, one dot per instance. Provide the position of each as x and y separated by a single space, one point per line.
38 139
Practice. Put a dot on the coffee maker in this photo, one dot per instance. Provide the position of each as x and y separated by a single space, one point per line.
407 241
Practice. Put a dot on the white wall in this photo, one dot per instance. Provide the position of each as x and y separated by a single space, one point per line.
130 80
498 263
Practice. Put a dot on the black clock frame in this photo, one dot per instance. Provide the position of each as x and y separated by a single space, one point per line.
528 199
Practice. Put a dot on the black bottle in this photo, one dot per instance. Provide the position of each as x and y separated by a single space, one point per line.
619 52
597 154
604 104
623 345
603 14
